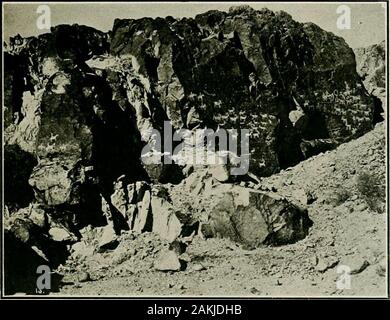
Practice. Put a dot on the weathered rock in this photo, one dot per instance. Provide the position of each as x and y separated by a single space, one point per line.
198 267
108 239
165 222
61 234
303 196
38 216
122 253
68 120
84 277
264 66
220 173
81 250
325 264
57 182
357 264
371 66
146 209
254 217
167 261
322 266
273 55
24 230
142 220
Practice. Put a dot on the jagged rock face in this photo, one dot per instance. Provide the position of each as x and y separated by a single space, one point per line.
255 218
250 69
67 119
145 208
371 66
80 101
243 214
241 69
338 98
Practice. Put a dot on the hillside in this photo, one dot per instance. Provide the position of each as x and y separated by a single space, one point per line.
349 228
81 106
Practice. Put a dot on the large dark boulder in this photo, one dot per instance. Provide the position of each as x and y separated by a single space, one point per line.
255 218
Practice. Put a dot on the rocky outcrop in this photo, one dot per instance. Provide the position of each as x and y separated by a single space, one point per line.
250 69
254 218
68 120
241 69
244 214
80 105
371 66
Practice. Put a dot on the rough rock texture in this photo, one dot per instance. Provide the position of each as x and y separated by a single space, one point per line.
79 106
255 218
241 69
245 215
65 117
345 232
248 69
371 66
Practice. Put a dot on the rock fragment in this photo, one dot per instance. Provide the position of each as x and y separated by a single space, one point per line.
167 261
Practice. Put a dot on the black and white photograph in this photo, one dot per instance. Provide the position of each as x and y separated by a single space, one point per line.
194 149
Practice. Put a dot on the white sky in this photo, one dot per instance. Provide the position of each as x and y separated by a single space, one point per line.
368 24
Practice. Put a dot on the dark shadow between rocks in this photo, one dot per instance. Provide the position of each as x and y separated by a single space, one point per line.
18 166
20 267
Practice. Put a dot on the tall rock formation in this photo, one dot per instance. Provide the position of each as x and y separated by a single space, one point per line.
80 104
371 66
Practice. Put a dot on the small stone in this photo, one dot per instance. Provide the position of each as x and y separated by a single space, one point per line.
220 173
321 266
254 290
314 260
198 267
360 267
38 217
84 276
167 261
303 196
361 207
381 268
333 261
356 263
108 239
60 234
